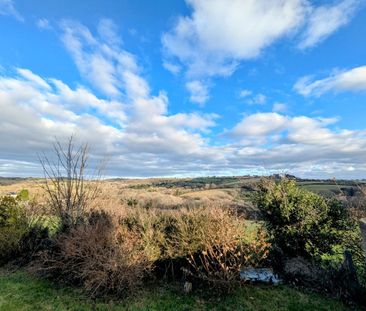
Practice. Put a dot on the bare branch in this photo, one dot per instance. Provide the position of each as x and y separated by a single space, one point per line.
68 191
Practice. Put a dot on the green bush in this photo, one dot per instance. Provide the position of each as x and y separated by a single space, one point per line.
13 225
305 224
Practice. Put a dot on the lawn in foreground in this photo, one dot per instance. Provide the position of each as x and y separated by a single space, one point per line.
21 292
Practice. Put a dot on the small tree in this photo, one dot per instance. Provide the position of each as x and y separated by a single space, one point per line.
67 189
305 224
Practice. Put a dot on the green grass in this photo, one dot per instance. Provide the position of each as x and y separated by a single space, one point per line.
21 292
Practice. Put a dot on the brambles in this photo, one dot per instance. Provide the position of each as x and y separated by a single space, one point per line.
220 263
101 256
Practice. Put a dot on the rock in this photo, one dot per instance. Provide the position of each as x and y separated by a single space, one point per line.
265 275
187 288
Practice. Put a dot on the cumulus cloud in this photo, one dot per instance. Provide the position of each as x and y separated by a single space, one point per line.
137 138
130 125
220 34
260 124
325 20
149 142
7 8
353 80
300 144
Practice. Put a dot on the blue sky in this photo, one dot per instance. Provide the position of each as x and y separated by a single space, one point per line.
186 88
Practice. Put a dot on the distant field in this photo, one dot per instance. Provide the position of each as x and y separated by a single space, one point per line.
322 187
19 291
166 193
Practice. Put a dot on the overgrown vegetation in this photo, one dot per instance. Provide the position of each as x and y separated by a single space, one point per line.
99 255
112 255
308 239
13 225
319 230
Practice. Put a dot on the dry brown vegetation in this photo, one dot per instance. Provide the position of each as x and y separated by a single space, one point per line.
113 251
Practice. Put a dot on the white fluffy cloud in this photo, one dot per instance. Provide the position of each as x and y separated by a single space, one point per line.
260 124
299 144
219 34
131 126
353 80
100 59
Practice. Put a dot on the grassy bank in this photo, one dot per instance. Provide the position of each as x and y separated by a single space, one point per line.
19 291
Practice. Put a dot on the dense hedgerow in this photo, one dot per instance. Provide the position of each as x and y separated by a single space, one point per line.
112 255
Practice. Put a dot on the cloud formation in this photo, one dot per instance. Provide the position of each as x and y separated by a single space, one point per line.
325 20
121 117
302 144
352 80
220 34
7 8
130 125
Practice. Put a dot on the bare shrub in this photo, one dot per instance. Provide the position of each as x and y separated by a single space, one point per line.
66 187
102 257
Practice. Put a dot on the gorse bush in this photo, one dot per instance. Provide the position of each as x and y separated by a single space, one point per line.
13 225
23 231
305 224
